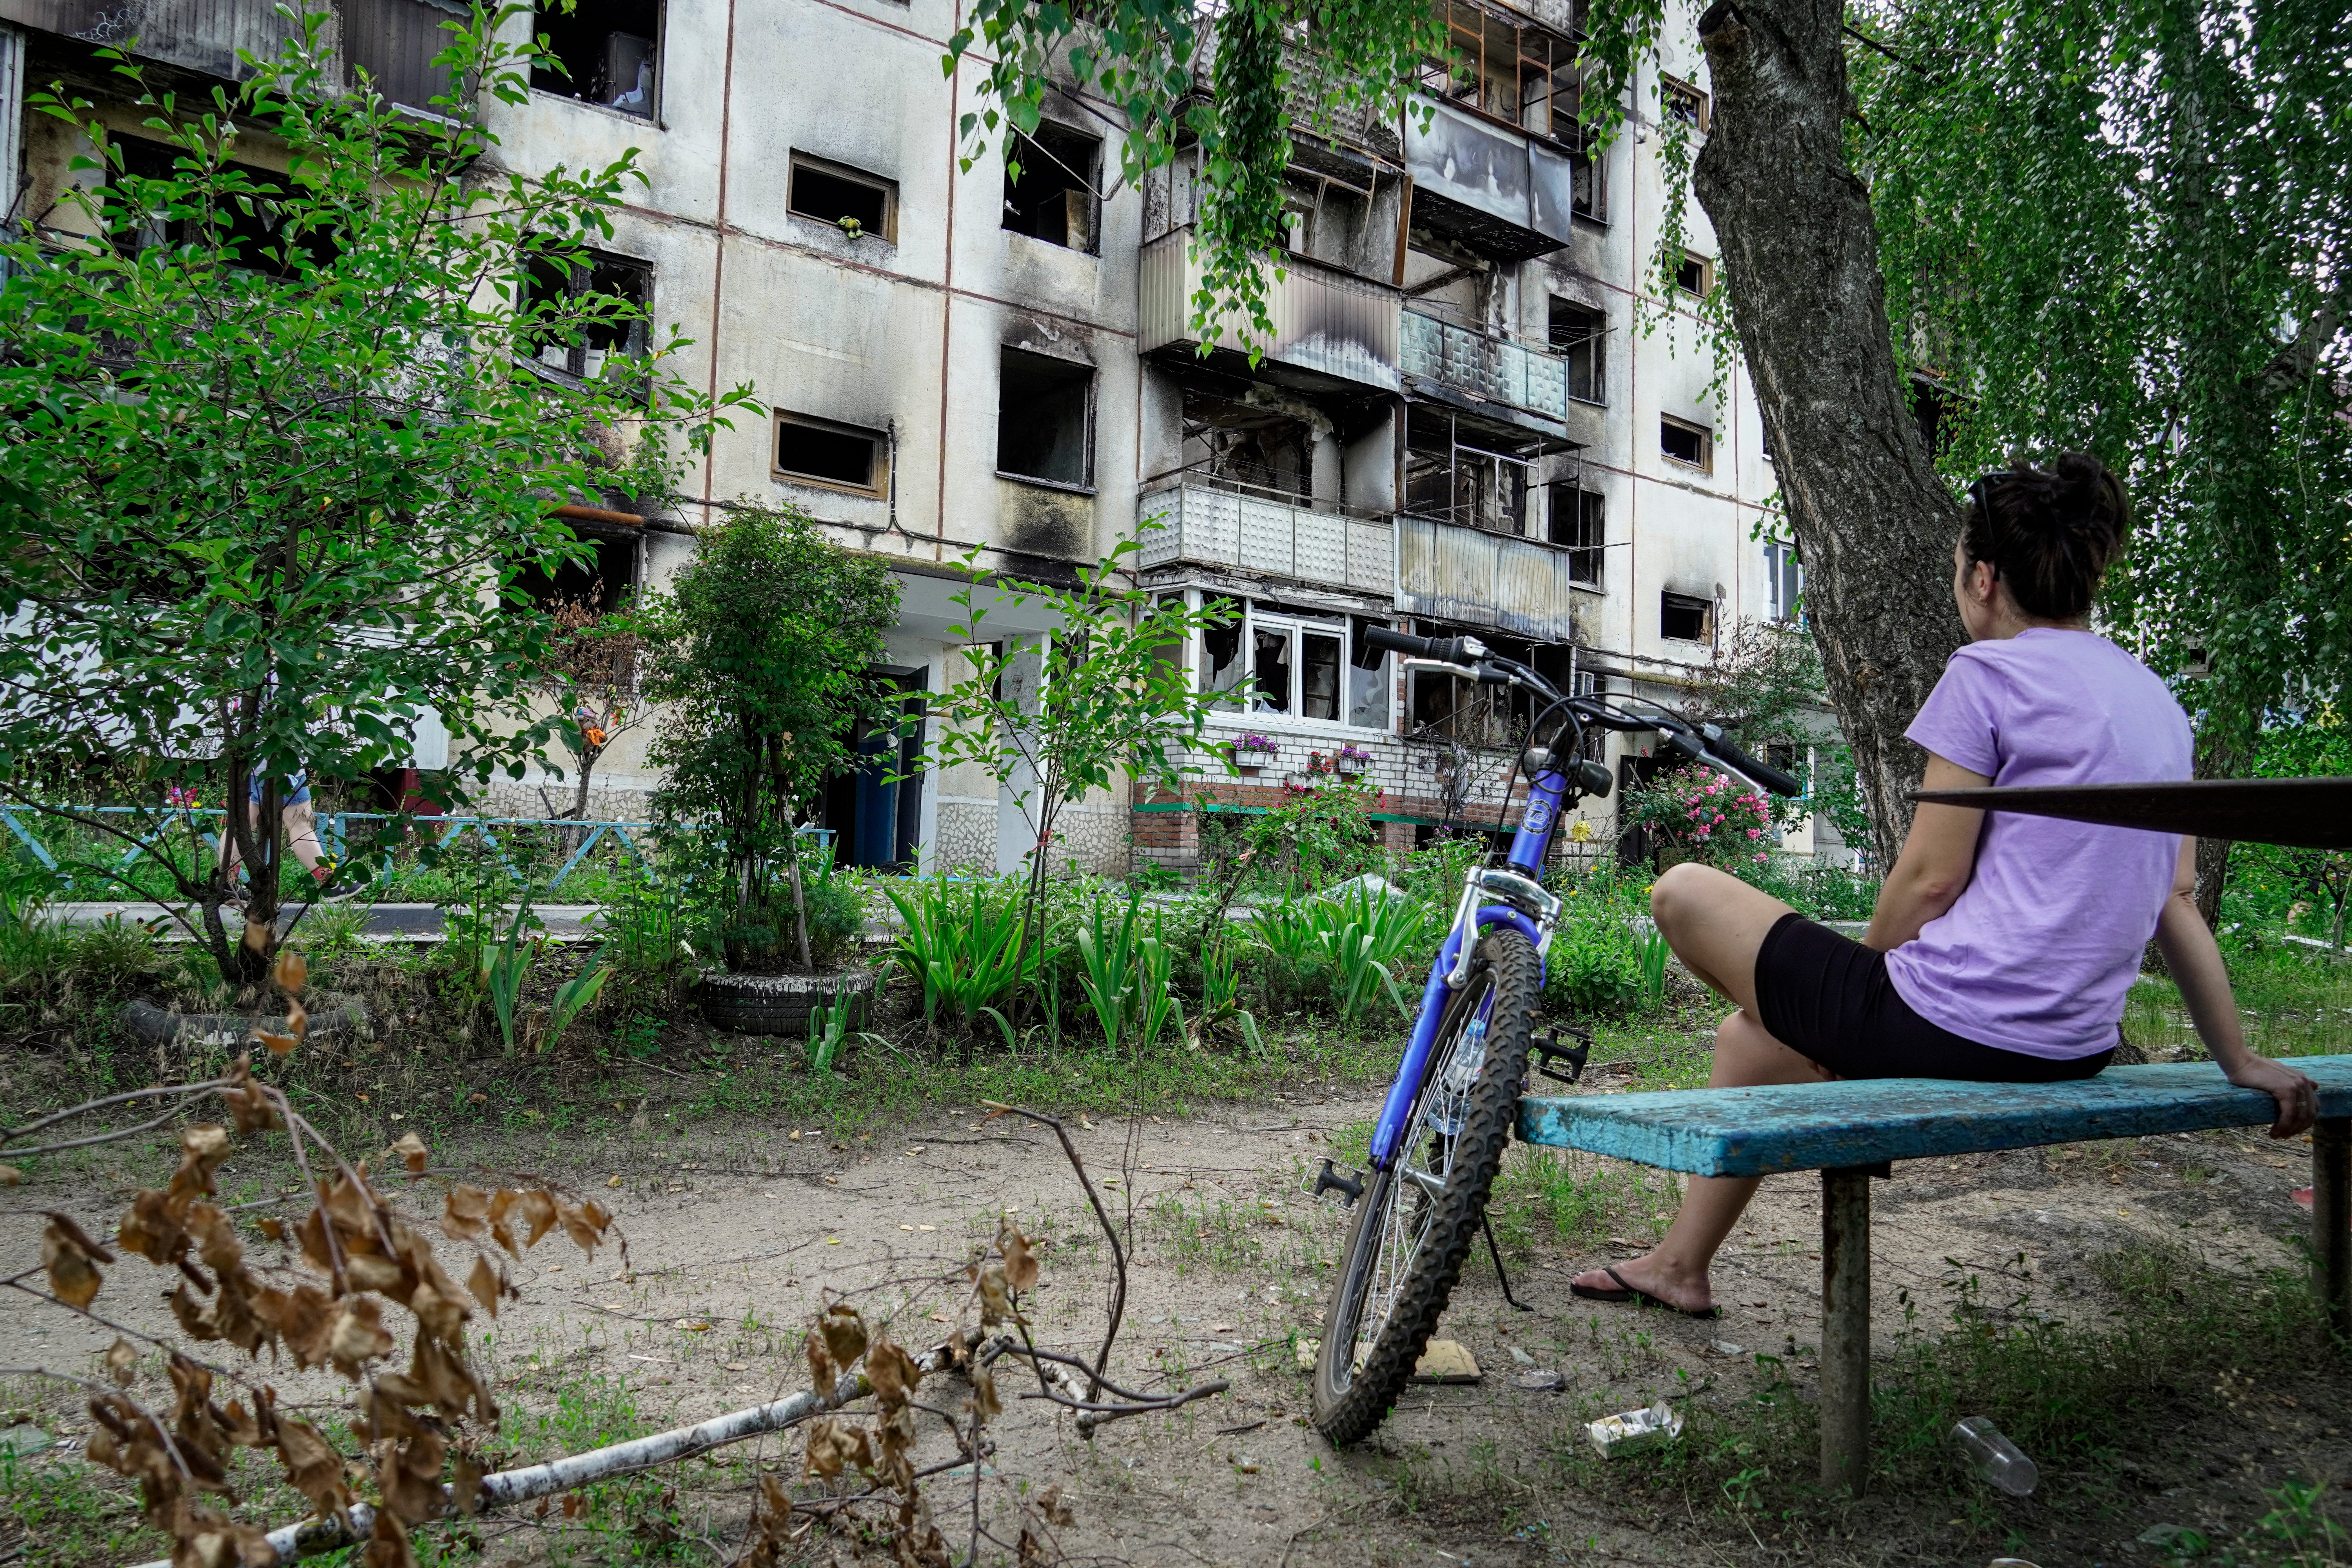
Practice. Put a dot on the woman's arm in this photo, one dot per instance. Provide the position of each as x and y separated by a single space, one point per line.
2195 961
1938 857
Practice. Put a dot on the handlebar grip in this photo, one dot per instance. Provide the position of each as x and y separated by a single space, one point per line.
1446 651
1771 777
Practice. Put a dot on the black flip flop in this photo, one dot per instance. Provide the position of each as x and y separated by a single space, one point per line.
1635 1293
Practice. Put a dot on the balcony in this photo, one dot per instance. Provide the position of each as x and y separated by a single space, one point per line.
393 41
1483 579
1497 190
1329 325
1204 527
1483 369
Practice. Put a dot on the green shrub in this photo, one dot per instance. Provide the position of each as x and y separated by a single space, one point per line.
1594 968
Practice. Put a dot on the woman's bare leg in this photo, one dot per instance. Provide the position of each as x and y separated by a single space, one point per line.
1714 923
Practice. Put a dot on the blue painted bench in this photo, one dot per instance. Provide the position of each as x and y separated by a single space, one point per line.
1850 1131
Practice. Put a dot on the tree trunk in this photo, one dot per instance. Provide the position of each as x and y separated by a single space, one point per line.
1800 255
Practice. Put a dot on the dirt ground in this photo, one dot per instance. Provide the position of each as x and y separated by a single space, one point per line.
734 1239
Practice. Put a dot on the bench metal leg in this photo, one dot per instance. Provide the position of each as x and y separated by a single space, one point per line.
2331 1218
1845 1329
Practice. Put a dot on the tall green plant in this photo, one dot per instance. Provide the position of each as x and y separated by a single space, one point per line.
1127 970
267 488
1100 698
761 647
961 943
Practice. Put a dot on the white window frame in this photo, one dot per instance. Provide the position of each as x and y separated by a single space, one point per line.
1293 625
1781 563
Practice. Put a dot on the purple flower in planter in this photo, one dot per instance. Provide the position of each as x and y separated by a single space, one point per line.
1255 744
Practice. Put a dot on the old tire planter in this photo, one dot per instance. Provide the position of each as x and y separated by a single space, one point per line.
774 1003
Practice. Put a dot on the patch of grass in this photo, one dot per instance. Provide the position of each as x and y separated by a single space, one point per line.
1579 1199
2185 1373
2296 1002
1223 1239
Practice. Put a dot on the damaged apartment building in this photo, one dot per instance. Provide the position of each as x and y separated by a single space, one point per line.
1460 423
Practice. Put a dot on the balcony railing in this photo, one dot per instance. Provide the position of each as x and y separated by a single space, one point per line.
393 41
1485 579
1486 367
1325 321
1210 527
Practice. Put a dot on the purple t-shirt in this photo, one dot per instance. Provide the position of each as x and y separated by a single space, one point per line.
2036 954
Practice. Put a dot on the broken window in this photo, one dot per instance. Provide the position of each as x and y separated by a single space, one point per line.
1695 274
251 232
1052 195
599 585
1044 419
598 304
1248 447
1683 442
1271 658
1784 581
1578 525
1448 477
1507 67
1579 336
604 52
1368 678
1220 643
848 199
821 451
1685 103
1470 713
1682 618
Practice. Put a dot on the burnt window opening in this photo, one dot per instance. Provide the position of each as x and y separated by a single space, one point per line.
1695 274
1934 409
1248 448
1448 707
1447 478
1580 526
823 451
608 52
583 310
1270 668
1049 185
252 230
1682 618
599 585
1580 335
1782 754
857 203
1507 70
1685 103
1368 677
1044 419
1682 442
1220 643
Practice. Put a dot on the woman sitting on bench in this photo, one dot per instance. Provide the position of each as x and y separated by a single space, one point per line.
2001 947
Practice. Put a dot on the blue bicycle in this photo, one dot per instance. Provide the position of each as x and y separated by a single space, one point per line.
1422 1199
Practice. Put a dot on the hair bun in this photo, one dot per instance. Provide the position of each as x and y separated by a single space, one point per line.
2050 532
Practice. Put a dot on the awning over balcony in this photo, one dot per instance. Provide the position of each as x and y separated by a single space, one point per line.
1500 193
1219 527
1334 325
1484 579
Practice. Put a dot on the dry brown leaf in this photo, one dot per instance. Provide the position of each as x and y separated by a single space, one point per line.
367 1273
248 1107
443 1316
10 1176
356 1335
984 1398
537 1210
995 1305
1020 1262
292 972
151 1227
465 1213
890 1371
831 1447
121 1362
279 1045
1032 1553
844 1333
257 935
572 1504
216 1238
71 1259
387 1544
411 1152
585 1225
313 1468
202 1149
274 1229
483 1282
465 1484
1056 1507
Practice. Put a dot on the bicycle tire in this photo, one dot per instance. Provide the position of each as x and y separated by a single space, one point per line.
1350 1401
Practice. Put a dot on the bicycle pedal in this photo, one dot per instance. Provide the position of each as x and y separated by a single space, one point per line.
1329 1179
1548 1049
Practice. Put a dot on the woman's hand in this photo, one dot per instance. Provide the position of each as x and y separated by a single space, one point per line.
2297 1096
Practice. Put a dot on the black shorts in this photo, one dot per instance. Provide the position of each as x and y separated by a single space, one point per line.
1828 997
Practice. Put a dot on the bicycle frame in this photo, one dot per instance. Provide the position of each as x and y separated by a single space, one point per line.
1530 910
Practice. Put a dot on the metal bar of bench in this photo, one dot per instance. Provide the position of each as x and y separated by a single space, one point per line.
1846 1328
2331 1219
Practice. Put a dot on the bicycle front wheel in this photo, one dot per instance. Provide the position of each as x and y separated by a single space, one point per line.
1416 1220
